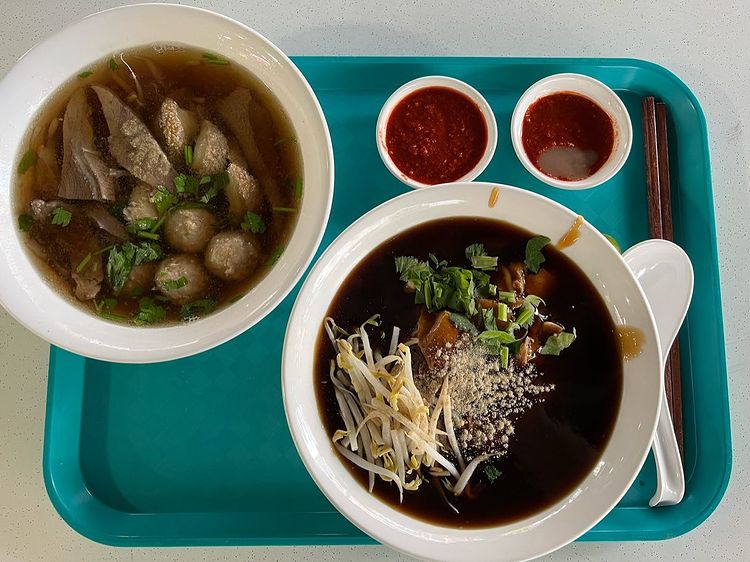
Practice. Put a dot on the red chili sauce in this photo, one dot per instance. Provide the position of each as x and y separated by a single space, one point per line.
436 135
567 136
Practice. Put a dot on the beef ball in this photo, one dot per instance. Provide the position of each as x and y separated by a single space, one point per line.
189 230
232 255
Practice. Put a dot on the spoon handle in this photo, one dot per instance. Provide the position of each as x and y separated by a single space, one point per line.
670 477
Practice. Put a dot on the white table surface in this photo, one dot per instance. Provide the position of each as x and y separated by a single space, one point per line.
705 43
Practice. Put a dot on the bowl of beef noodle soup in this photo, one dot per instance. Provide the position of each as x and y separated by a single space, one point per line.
164 183
471 372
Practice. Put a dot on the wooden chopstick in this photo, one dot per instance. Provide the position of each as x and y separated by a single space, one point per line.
661 226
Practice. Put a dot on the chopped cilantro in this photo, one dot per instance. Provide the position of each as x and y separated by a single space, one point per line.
557 342
534 257
254 223
462 323
25 222
197 308
491 473
61 217
163 200
149 312
113 64
275 255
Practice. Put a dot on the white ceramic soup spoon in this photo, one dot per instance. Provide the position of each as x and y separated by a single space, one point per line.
666 275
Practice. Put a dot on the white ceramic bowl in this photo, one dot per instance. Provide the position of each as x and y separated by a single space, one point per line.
634 427
36 77
432 82
599 93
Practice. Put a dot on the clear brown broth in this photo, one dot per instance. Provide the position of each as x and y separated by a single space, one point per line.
185 75
558 442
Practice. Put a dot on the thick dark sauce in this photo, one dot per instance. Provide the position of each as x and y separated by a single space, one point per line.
186 75
558 442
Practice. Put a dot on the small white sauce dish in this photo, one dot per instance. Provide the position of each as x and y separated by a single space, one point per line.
35 78
435 82
594 90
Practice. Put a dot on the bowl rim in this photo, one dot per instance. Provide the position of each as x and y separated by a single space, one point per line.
335 491
620 120
93 346
435 80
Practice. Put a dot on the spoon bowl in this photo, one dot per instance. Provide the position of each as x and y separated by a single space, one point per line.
665 274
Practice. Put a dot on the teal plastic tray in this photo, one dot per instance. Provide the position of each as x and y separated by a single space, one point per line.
197 451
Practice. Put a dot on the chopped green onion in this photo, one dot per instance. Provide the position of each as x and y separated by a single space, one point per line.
197 308
506 296
188 154
27 161
113 64
25 222
85 74
103 250
298 189
284 209
83 263
157 224
61 217
147 235
525 316
174 284
504 357
502 312
484 262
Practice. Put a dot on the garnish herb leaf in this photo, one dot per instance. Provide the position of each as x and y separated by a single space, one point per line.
61 217
464 324
284 209
123 258
25 222
534 257
254 223
236 298
212 58
27 161
491 473
298 186
275 255
488 316
163 200
85 74
119 265
113 64
557 342
475 250
149 312
285 140
188 154
197 308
